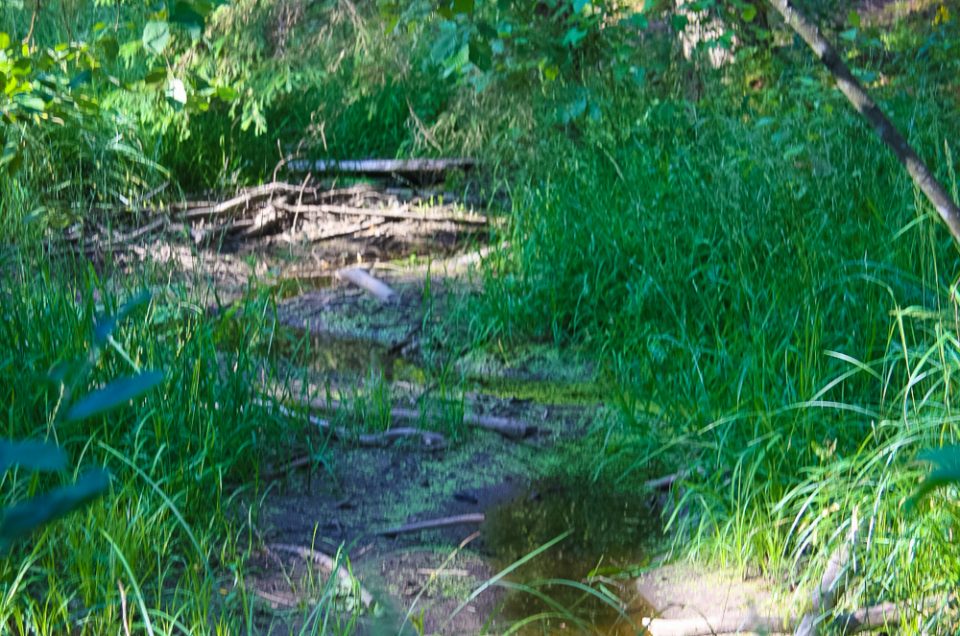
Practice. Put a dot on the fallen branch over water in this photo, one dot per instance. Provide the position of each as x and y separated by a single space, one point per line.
431 524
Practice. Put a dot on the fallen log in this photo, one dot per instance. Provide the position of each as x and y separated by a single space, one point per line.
514 429
432 524
401 212
381 167
884 615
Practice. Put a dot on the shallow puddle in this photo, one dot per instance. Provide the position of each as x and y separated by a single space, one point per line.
608 535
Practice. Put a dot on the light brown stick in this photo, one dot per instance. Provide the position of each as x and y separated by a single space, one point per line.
245 198
377 288
387 213
328 565
381 166
430 524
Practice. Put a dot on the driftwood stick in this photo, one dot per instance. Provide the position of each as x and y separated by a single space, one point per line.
329 565
377 288
386 213
429 439
381 166
831 585
922 177
514 429
243 199
430 524
846 624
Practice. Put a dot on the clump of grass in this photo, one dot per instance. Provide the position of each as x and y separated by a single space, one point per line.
731 259
173 529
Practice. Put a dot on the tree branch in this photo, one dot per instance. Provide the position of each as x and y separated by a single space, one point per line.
888 133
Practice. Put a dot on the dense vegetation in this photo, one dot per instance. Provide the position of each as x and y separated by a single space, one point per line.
771 302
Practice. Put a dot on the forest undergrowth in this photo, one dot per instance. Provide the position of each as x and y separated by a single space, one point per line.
772 304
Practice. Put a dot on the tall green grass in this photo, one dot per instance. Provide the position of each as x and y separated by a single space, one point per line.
172 537
771 297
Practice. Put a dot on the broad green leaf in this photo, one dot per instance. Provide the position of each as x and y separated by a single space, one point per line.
156 36
573 37
26 516
638 21
579 6
40 456
749 13
105 326
4 41
678 22
115 394
849 35
946 470
21 67
463 7
33 103
81 78
854 19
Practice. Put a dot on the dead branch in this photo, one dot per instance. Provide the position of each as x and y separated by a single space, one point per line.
244 199
374 286
732 623
832 584
922 177
513 429
382 167
430 524
387 213
884 615
429 439
329 565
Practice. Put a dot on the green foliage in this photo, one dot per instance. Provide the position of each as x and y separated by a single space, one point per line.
946 462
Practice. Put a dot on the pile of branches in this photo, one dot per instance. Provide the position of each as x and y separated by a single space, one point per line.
280 212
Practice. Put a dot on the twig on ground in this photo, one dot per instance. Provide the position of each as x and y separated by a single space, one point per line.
431 524
388 213
329 565
382 166
429 439
243 199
